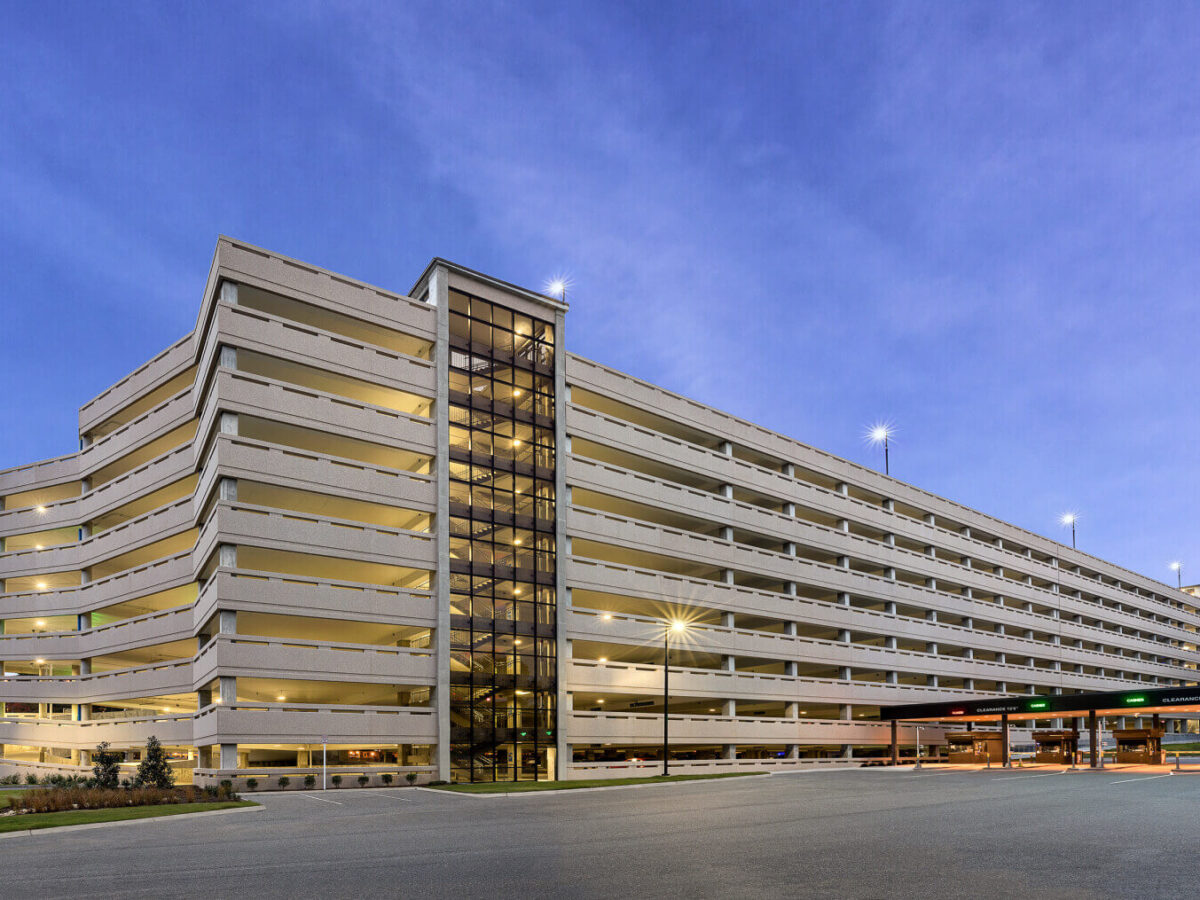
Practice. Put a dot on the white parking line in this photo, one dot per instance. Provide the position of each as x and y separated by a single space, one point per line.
318 799
1042 775
1147 778
391 796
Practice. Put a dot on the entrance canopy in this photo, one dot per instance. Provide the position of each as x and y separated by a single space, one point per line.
1183 702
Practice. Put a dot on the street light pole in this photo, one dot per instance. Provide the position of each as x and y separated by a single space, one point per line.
1178 567
879 434
666 694
1070 519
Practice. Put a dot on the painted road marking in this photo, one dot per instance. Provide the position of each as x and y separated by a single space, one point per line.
1147 778
318 799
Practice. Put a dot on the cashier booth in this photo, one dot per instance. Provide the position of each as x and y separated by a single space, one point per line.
975 746
1056 746
1140 745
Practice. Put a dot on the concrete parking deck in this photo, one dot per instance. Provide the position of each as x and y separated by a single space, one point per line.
868 833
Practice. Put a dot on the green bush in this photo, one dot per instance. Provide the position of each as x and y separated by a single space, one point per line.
337 780
310 780
251 784
363 779
410 777
106 766
284 781
386 777
31 779
154 770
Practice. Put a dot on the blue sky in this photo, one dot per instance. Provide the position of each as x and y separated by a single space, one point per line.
979 221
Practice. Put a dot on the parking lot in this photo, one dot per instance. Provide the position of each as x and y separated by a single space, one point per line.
942 832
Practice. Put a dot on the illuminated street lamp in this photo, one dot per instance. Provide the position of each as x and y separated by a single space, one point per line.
1178 567
558 287
1070 519
879 433
677 627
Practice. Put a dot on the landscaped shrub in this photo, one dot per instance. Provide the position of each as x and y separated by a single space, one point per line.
251 784
337 780
61 799
310 780
386 777
226 789
284 781
106 766
363 779
410 777
154 770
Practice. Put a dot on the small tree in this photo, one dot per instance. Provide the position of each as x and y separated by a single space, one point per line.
154 770
410 777
252 783
106 766
337 781
310 780
386 777
284 781
363 779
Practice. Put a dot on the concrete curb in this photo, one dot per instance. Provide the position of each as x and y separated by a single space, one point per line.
616 787
32 832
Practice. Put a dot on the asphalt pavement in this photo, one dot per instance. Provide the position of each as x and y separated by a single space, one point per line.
859 833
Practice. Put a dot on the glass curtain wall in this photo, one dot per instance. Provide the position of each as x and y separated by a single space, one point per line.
502 543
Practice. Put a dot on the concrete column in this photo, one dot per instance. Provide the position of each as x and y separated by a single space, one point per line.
229 293
892 677
227 556
229 423
227 621
228 358
792 710
228 689
227 489
727 576
895 748
843 599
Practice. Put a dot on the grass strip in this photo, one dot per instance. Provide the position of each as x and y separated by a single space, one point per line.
34 821
509 787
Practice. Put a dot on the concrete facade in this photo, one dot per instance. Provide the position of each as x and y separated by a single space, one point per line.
253 549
